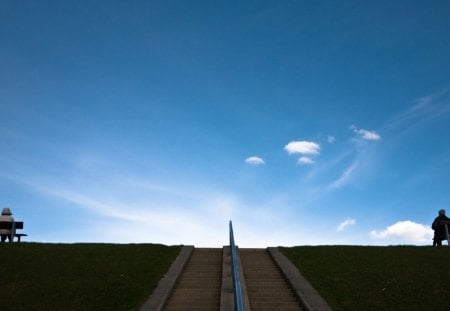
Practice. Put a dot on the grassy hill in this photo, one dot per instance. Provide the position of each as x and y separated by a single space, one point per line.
80 276
120 277
377 278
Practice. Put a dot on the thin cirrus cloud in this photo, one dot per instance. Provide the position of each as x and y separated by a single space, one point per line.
255 160
404 230
427 109
143 219
345 177
345 224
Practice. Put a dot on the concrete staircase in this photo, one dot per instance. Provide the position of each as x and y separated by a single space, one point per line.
200 279
266 287
199 286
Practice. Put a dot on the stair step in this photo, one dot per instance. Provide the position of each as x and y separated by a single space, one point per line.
266 287
199 286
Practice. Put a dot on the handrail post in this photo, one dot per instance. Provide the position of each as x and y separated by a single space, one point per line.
446 235
445 223
13 232
238 301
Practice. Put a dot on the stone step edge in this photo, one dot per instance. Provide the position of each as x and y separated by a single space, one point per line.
309 297
162 292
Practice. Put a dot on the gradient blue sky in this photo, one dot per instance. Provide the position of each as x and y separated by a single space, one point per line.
305 122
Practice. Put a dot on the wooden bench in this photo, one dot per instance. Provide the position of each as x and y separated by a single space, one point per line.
13 226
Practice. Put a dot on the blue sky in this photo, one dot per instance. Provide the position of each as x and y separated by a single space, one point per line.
159 121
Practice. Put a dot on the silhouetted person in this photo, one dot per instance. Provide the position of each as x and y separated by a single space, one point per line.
6 233
439 228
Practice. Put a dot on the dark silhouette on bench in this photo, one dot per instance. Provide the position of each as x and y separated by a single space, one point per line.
8 227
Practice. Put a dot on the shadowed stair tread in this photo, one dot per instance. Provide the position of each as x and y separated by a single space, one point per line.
199 286
266 287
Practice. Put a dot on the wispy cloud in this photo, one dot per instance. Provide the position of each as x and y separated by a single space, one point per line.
407 230
369 135
138 211
366 134
255 160
363 159
424 110
331 139
146 221
345 177
345 224
305 161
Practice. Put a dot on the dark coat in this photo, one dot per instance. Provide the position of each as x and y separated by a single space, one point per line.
439 229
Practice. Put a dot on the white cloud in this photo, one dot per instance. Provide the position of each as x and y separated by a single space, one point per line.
404 231
303 147
331 139
346 223
369 135
254 160
365 134
305 161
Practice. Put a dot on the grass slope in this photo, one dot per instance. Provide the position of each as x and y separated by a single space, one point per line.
80 276
377 278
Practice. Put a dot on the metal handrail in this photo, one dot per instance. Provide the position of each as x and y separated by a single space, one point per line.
238 301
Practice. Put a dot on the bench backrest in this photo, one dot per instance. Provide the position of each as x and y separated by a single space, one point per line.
8 224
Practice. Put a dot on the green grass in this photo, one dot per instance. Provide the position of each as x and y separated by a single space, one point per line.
38 276
80 276
377 278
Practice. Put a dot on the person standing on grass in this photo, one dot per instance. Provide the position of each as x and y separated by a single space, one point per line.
6 233
439 228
